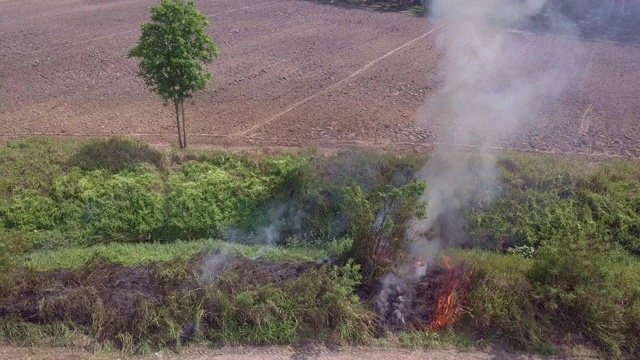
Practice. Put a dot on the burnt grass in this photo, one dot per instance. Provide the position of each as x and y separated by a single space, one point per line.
155 303
417 299
158 304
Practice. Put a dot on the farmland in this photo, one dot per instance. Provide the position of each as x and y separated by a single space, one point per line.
290 73
359 184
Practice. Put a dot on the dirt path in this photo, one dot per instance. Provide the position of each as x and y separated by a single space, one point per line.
274 353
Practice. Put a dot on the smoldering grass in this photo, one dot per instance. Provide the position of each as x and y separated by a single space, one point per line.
167 305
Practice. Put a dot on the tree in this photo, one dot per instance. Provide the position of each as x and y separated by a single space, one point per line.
173 48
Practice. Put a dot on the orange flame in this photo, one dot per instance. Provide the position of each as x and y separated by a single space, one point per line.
452 292
446 263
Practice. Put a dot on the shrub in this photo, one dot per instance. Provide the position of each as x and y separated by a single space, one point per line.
123 206
501 302
29 211
203 199
378 224
121 190
590 291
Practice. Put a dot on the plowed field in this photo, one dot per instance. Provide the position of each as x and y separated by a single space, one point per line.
290 73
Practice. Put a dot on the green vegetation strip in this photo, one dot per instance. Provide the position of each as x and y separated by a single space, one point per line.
145 253
554 254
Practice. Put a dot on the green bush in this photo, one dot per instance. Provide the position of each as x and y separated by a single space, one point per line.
502 302
590 291
120 190
203 199
29 211
126 206
97 205
546 199
616 213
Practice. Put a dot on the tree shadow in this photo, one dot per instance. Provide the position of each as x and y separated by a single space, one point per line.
114 155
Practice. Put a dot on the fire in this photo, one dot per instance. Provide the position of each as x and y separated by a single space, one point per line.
419 262
446 263
451 294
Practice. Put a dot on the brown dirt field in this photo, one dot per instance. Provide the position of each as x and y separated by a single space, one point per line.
291 73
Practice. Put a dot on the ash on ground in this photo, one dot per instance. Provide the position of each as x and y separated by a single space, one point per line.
410 303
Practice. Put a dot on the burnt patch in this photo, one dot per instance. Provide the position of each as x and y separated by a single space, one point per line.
425 304
156 304
103 296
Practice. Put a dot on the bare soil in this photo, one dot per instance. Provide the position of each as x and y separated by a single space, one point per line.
291 73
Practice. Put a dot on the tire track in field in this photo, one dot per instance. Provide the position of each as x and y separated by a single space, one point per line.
331 87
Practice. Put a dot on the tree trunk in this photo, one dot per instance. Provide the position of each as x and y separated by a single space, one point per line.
175 103
184 131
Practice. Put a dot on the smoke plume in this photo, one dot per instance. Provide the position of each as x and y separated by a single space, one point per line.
492 81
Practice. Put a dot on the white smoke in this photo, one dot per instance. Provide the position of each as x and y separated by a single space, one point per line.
494 81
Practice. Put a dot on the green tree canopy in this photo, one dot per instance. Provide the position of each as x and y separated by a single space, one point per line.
173 48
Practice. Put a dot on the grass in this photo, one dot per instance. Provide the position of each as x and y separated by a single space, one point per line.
139 309
535 303
445 339
145 253
56 335
501 303
555 254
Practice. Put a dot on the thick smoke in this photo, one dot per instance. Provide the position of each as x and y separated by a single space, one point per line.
492 81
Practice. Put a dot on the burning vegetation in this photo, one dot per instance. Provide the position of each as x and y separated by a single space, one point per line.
428 302
451 295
